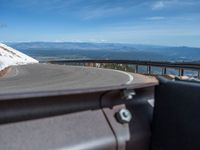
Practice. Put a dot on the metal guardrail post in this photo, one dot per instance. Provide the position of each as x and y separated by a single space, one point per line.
180 72
136 68
164 71
148 69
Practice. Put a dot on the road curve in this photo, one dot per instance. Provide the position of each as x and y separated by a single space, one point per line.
48 77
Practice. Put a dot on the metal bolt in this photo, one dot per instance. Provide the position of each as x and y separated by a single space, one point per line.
128 94
124 116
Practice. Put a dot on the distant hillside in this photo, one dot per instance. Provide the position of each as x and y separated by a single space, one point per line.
72 46
76 50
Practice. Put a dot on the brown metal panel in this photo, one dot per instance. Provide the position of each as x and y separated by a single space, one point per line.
121 131
88 130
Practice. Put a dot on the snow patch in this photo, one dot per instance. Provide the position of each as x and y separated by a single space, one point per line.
10 56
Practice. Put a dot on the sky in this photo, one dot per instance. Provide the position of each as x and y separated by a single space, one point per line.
156 22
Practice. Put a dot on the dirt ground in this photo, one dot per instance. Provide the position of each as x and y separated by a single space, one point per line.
4 71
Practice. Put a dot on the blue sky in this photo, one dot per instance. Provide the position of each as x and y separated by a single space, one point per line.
160 22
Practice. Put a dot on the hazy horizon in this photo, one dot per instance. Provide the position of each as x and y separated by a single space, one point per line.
123 43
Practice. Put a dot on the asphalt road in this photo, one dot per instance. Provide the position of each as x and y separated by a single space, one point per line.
47 77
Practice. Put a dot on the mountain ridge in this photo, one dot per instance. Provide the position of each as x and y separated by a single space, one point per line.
108 51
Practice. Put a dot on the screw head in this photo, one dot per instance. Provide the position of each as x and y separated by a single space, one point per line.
124 116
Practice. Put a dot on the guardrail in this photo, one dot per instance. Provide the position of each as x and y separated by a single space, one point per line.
180 66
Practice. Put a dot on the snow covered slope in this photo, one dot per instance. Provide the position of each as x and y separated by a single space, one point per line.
10 56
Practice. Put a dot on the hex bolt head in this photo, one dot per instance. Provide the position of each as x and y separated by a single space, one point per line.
124 116
128 94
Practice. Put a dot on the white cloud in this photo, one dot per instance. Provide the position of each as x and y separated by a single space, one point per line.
158 5
155 18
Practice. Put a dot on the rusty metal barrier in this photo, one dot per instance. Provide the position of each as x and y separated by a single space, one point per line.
180 66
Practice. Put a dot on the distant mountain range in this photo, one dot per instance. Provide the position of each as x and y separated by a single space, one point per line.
73 50
73 46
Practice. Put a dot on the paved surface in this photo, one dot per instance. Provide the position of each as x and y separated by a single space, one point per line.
45 77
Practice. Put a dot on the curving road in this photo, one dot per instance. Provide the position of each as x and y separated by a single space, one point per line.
47 77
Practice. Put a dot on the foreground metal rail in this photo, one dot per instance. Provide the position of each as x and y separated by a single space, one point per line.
180 66
82 118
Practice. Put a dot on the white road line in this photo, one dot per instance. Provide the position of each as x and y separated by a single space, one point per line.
128 74
119 71
16 72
